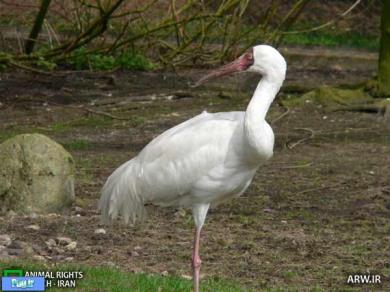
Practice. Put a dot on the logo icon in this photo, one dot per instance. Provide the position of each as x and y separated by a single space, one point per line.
14 280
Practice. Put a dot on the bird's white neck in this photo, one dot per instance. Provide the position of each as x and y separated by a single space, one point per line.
257 130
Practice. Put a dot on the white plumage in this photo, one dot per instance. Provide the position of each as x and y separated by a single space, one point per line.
204 160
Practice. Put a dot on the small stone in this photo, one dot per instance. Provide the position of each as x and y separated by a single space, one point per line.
58 250
134 253
52 215
16 244
24 247
100 231
137 247
33 227
11 213
164 273
5 240
39 258
136 270
57 258
187 277
69 259
71 246
33 215
98 250
51 243
62 240
79 211
15 251
5 256
39 250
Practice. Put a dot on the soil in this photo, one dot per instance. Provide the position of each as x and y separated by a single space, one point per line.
317 212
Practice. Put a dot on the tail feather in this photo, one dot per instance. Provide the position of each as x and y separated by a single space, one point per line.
120 195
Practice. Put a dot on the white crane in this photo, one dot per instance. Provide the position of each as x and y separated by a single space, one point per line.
204 160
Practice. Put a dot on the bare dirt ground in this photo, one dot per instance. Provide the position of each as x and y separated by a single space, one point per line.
313 215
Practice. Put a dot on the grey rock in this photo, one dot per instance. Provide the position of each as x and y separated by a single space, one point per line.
33 227
79 211
18 248
51 243
10 213
16 244
15 251
58 250
100 231
62 240
36 175
39 258
39 250
71 246
5 240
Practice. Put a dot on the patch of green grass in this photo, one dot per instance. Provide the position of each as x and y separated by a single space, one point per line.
289 274
89 122
60 127
300 214
333 39
113 279
95 122
6 134
138 120
81 59
84 170
78 144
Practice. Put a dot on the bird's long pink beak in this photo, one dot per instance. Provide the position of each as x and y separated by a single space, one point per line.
238 65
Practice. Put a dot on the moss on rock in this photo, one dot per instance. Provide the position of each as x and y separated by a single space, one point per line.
36 175
331 96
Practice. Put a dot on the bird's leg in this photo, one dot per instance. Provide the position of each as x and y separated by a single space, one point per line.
196 262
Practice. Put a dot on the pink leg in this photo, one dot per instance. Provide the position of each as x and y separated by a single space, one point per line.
196 262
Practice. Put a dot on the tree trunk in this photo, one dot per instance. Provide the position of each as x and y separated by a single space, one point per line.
36 29
384 53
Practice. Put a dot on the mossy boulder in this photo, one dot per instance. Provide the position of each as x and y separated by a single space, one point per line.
36 175
329 96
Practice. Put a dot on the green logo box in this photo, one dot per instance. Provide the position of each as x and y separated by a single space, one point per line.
13 272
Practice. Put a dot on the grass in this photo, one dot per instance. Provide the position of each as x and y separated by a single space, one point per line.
81 59
6 134
102 278
89 122
78 144
333 39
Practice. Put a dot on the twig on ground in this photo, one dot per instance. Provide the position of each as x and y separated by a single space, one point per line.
319 188
98 113
286 112
297 166
291 146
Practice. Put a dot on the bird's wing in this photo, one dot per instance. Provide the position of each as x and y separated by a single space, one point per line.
171 163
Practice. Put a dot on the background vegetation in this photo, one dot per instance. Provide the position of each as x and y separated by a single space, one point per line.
107 34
